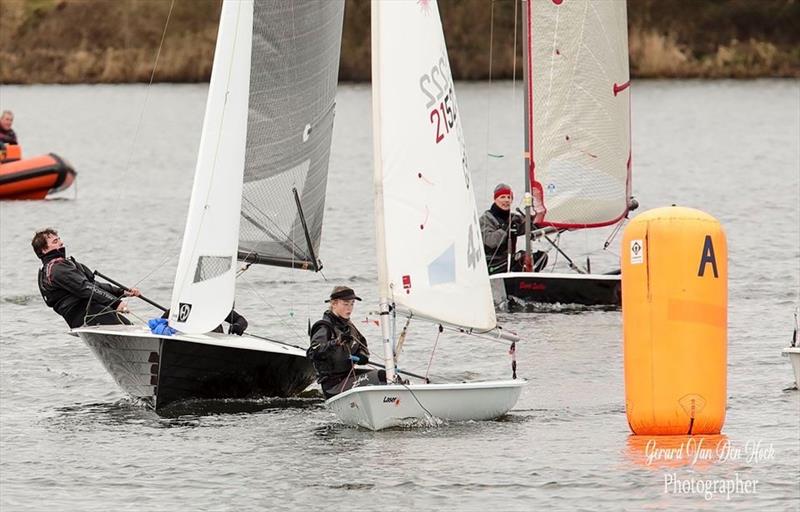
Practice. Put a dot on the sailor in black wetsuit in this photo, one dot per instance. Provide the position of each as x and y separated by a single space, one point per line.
337 346
70 289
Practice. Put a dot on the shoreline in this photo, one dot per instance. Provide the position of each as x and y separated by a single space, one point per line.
88 41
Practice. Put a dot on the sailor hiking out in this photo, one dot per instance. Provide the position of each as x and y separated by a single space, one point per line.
69 287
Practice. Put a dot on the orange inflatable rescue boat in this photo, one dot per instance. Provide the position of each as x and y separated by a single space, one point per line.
32 178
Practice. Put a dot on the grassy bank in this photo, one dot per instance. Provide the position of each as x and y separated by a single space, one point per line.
109 41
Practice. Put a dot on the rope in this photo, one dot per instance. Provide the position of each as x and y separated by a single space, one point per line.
352 373
489 97
514 67
613 234
147 90
430 361
400 340
430 416
280 319
136 136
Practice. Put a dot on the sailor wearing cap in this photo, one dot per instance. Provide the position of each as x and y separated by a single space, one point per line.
337 346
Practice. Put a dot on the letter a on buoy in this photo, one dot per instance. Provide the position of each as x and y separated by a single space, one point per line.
675 322
707 257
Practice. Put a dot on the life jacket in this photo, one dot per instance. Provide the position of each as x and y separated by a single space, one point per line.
333 360
54 295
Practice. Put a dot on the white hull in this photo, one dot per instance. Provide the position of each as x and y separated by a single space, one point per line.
793 353
385 406
160 370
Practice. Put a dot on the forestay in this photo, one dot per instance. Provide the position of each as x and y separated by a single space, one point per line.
431 259
579 104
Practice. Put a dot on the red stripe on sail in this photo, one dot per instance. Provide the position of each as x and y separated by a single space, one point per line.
619 88
534 185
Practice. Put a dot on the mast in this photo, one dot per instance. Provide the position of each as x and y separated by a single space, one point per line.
528 145
380 225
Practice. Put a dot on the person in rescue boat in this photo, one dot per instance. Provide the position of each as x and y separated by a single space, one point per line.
497 224
70 289
337 346
7 135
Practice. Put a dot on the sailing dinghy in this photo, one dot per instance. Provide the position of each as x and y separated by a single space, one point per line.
430 260
577 164
258 196
793 350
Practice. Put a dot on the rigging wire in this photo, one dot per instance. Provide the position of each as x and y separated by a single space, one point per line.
401 340
614 233
514 67
135 137
489 99
147 89
430 417
280 318
433 351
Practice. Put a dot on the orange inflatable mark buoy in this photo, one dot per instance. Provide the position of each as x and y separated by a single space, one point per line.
674 315
34 178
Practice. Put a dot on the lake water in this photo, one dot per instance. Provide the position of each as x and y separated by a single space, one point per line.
70 440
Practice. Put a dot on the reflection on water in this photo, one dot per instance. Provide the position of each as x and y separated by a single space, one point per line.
121 413
512 305
658 452
208 407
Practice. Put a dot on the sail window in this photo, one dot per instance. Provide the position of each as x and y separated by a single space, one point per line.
209 267
443 269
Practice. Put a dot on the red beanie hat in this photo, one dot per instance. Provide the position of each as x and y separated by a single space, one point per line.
502 189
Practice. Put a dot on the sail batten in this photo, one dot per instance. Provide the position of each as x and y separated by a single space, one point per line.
578 111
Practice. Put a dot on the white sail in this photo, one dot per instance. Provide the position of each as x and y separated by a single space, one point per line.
430 253
579 105
203 292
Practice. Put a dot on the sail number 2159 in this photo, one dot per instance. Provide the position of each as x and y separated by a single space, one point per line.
439 91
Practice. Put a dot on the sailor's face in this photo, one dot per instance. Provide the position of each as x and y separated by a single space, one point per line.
342 308
53 242
504 201
6 120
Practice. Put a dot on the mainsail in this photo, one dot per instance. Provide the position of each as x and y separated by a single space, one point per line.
430 254
578 110
266 137
293 77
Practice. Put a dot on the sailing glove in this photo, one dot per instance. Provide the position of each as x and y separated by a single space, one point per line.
517 224
359 359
